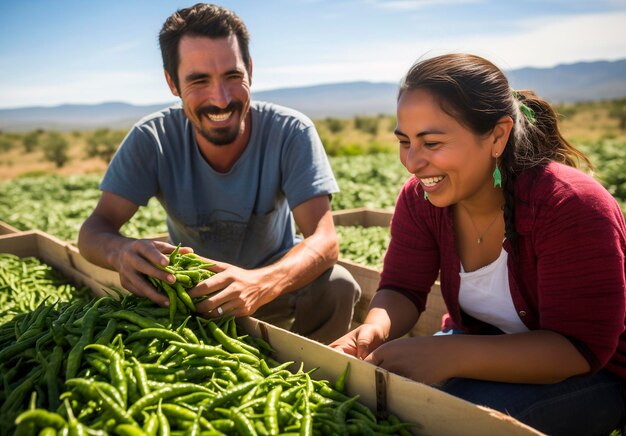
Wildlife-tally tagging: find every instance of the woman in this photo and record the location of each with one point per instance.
(529, 249)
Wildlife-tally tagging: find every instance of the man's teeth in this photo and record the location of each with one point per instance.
(432, 181)
(219, 117)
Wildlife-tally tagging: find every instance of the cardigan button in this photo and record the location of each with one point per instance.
(522, 313)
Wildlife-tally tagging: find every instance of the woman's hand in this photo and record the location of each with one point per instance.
(361, 341)
(423, 359)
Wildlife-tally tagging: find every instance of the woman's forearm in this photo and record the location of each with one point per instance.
(394, 312)
(539, 356)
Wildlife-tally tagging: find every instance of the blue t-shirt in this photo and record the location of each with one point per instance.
(242, 217)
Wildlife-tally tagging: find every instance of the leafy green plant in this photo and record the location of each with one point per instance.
(363, 245)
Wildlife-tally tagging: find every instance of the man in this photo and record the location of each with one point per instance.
(231, 173)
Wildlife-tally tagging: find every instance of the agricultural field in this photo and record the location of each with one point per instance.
(41, 189)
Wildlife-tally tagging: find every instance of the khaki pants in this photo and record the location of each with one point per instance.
(321, 311)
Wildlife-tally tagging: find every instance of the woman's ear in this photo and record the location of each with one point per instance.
(500, 135)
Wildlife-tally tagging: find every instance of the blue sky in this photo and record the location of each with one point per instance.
(90, 51)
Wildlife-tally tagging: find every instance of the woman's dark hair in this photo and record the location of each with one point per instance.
(478, 94)
(201, 19)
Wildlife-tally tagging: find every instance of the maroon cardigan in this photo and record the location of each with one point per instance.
(567, 274)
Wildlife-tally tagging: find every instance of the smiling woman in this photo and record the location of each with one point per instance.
(529, 249)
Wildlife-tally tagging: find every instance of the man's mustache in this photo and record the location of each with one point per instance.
(214, 110)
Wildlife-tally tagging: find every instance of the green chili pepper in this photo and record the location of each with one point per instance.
(173, 390)
(42, 418)
(155, 333)
(271, 411)
(340, 384)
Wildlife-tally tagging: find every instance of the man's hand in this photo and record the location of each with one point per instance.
(361, 341)
(242, 291)
(140, 257)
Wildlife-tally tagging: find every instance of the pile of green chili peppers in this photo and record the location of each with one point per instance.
(189, 270)
(27, 282)
(122, 366)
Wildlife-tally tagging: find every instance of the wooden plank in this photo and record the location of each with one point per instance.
(362, 216)
(106, 276)
(7, 229)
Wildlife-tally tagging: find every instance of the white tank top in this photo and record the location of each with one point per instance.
(485, 295)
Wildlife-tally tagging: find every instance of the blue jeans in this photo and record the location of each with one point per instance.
(592, 405)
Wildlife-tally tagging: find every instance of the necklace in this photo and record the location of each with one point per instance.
(479, 240)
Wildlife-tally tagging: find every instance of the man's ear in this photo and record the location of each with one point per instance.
(250, 73)
(171, 84)
(500, 135)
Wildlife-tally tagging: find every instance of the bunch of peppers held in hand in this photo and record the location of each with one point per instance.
(189, 270)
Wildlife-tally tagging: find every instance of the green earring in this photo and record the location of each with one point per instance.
(497, 176)
(425, 196)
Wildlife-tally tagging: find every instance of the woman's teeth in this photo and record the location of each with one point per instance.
(431, 181)
(219, 117)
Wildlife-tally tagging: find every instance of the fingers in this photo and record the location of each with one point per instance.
(344, 347)
(373, 358)
(359, 343)
(210, 286)
(362, 348)
(156, 252)
(217, 266)
(349, 343)
(216, 307)
(141, 287)
(141, 258)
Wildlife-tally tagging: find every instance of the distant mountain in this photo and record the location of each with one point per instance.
(580, 81)
(340, 100)
(114, 115)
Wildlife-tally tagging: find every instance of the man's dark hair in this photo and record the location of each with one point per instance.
(201, 19)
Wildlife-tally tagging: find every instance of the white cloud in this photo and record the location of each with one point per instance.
(413, 5)
(90, 87)
(540, 42)
(556, 40)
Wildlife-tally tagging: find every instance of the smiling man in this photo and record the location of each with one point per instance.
(235, 177)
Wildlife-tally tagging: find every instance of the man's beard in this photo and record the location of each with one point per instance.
(221, 135)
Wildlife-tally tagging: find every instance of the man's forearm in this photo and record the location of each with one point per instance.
(99, 242)
(304, 262)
